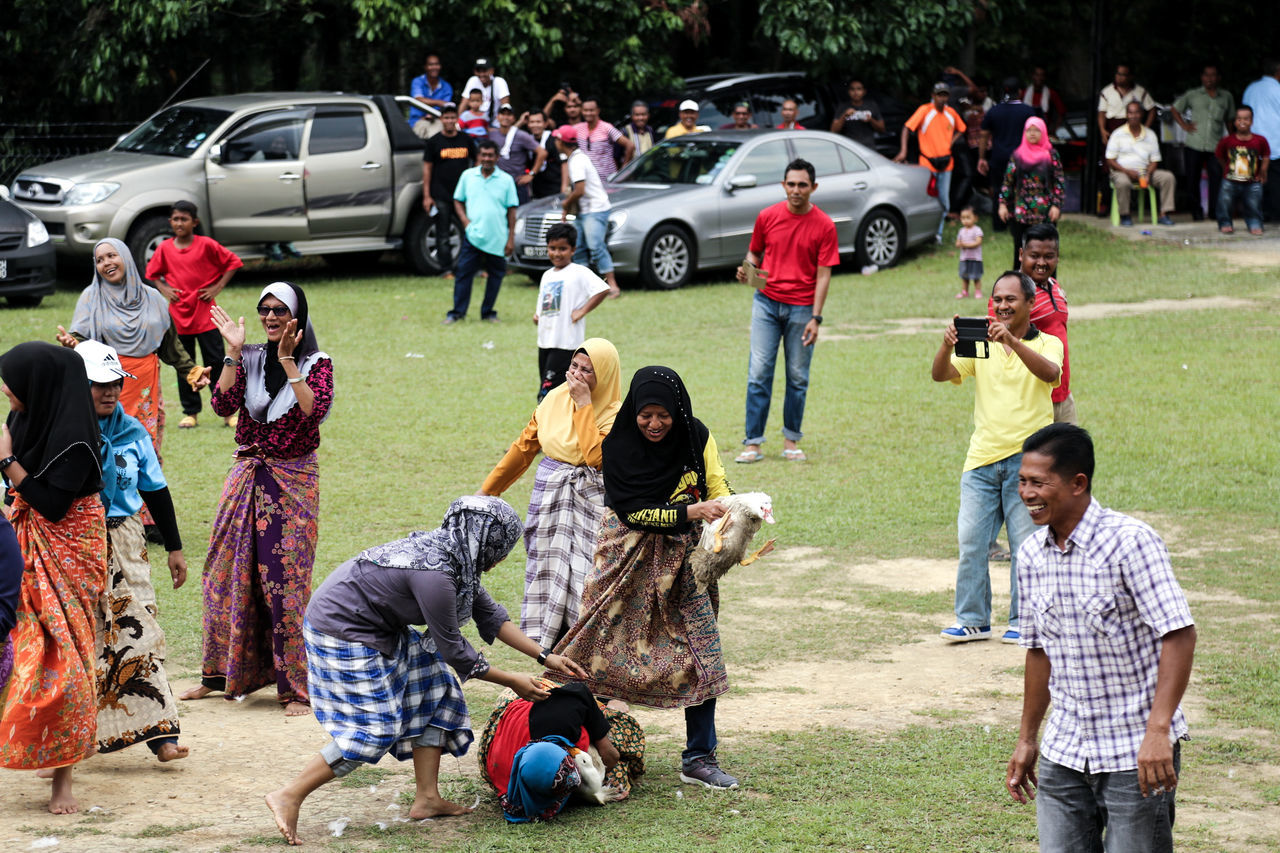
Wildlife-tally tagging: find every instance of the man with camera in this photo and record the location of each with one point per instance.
(1015, 368)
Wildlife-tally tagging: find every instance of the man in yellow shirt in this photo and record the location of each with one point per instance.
(1013, 400)
(688, 122)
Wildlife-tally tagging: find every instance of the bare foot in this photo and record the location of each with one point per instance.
(285, 810)
(44, 773)
(61, 801)
(171, 752)
(296, 709)
(424, 807)
(618, 705)
(197, 692)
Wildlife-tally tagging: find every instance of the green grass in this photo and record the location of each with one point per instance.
(1193, 450)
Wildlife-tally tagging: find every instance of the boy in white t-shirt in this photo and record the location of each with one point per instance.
(566, 295)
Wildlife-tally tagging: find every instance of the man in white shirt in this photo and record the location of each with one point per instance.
(494, 90)
(1133, 153)
(592, 206)
(1116, 96)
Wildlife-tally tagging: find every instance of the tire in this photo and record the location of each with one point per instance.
(145, 237)
(25, 301)
(353, 261)
(420, 244)
(881, 239)
(668, 258)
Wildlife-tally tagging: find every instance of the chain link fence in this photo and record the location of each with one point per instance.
(23, 145)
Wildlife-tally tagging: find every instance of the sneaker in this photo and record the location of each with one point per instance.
(188, 422)
(274, 253)
(1165, 220)
(1011, 636)
(706, 772)
(290, 251)
(965, 633)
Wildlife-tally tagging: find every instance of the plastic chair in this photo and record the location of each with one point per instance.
(1142, 204)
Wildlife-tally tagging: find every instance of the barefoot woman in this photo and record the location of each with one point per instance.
(257, 578)
(135, 703)
(49, 457)
(378, 685)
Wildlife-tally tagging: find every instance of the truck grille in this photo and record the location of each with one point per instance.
(46, 190)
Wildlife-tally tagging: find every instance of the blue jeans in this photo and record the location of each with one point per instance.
(592, 228)
(1250, 195)
(944, 198)
(773, 322)
(470, 261)
(700, 731)
(988, 497)
(1095, 812)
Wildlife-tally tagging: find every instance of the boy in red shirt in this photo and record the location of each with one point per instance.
(794, 245)
(190, 270)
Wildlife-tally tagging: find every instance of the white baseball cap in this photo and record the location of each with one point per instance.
(101, 362)
(689, 105)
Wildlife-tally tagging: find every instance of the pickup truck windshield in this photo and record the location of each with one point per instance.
(176, 132)
(679, 161)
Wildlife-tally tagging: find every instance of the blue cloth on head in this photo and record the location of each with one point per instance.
(543, 777)
(129, 463)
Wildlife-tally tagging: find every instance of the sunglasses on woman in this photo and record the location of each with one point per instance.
(277, 310)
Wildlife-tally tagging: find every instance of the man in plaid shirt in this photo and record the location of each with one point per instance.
(1109, 641)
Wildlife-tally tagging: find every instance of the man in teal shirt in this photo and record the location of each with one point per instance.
(1211, 108)
(485, 200)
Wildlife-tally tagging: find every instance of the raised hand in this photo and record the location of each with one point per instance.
(290, 340)
(66, 338)
(231, 332)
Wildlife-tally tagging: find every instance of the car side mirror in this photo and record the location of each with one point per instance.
(742, 182)
(215, 153)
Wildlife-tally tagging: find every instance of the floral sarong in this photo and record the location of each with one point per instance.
(140, 398)
(135, 703)
(50, 707)
(257, 578)
(644, 632)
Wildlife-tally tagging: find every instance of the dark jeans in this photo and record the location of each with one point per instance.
(1271, 192)
(470, 262)
(1193, 162)
(211, 353)
(1016, 230)
(700, 731)
(446, 215)
(553, 364)
(966, 160)
(995, 175)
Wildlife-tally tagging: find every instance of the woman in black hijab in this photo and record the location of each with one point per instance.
(49, 459)
(645, 632)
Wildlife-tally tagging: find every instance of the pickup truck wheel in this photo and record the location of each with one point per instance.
(146, 236)
(668, 257)
(420, 244)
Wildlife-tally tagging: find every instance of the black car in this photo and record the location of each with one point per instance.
(816, 103)
(26, 256)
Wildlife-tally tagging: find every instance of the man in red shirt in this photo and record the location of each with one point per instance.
(793, 247)
(191, 270)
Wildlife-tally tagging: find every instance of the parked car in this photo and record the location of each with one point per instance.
(336, 175)
(27, 266)
(816, 101)
(690, 203)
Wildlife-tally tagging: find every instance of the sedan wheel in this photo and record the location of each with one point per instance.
(667, 260)
(880, 239)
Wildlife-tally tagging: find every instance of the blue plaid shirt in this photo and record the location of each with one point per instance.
(1099, 609)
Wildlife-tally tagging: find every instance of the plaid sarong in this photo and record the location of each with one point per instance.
(372, 704)
(560, 540)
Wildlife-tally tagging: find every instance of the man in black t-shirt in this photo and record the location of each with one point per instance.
(546, 180)
(445, 157)
(859, 117)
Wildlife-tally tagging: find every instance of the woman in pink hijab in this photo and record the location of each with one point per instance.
(1033, 186)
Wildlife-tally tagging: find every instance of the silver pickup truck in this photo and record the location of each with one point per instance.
(337, 175)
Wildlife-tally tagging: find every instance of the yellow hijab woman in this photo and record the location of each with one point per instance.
(558, 415)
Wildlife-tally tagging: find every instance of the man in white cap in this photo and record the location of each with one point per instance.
(688, 121)
(494, 90)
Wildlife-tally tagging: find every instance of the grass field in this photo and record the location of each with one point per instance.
(1181, 404)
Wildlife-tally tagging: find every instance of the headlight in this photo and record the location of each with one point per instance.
(617, 219)
(520, 224)
(36, 233)
(90, 193)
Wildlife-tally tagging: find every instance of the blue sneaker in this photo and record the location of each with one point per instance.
(706, 771)
(1011, 636)
(965, 633)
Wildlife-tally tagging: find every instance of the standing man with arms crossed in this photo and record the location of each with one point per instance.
(794, 247)
(485, 201)
(1110, 642)
(448, 154)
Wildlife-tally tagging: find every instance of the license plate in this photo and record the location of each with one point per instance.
(4, 268)
(534, 251)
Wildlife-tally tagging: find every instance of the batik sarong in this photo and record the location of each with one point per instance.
(140, 398)
(257, 578)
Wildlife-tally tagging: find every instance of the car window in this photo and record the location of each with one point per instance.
(767, 161)
(176, 132)
(337, 132)
(271, 139)
(852, 162)
(823, 154)
(684, 160)
(769, 102)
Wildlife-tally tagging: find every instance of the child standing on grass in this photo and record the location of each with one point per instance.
(472, 121)
(567, 294)
(969, 242)
(191, 270)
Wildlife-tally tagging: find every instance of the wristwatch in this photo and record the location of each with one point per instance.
(231, 362)
(542, 657)
(818, 317)
(6, 462)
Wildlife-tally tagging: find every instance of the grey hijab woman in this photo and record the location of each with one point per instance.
(131, 317)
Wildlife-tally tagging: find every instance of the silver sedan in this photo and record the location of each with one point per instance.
(690, 203)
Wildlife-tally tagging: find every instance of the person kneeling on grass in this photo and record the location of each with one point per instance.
(379, 686)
